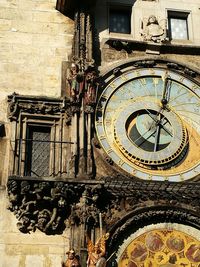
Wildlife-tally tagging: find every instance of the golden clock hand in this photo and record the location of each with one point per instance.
(166, 91)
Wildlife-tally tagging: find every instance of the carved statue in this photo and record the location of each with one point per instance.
(90, 87)
(75, 81)
(72, 260)
(96, 252)
(153, 31)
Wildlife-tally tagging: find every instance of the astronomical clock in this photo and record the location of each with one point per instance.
(147, 122)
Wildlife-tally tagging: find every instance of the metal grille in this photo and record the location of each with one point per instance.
(38, 151)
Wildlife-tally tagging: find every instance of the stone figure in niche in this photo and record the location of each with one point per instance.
(152, 30)
(90, 87)
(72, 260)
(97, 251)
(75, 81)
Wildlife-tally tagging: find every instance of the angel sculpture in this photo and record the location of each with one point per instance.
(97, 251)
(152, 30)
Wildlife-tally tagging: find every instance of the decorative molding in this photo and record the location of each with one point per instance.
(82, 76)
(131, 46)
(18, 104)
(50, 206)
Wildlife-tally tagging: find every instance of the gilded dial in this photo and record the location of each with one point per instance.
(147, 121)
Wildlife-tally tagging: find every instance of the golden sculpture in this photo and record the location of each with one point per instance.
(96, 252)
(72, 260)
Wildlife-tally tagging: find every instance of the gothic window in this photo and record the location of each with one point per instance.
(40, 140)
(120, 20)
(178, 25)
(38, 148)
(37, 151)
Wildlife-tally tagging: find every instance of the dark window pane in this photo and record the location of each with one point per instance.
(119, 21)
(38, 151)
(178, 27)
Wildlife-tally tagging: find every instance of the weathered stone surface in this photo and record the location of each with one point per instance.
(35, 40)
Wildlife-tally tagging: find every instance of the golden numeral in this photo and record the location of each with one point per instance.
(101, 137)
(143, 81)
(113, 85)
(137, 73)
(134, 171)
(109, 151)
(104, 96)
(181, 79)
(120, 162)
(155, 81)
(152, 71)
(194, 87)
(123, 77)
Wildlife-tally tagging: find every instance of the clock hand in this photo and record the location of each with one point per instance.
(166, 91)
(157, 136)
(159, 122)
(144, 135)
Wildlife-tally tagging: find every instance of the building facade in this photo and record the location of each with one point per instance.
(99, 133)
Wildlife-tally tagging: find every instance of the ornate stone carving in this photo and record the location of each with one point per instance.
(83, 77)
(76, 83)
(90, 87)
(190, 72)
(87, 210)
(36, 105)
(46, 205)
(152, 30)
(121, 45)
(40, 205)
(145, 63)
(82, 50)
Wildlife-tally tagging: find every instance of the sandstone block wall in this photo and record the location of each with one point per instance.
(34, 41)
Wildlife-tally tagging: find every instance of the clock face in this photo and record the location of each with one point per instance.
(148, 122)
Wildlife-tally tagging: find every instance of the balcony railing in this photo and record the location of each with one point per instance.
(40, 158)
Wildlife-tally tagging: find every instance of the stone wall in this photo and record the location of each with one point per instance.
(28, 250)
(34, 41)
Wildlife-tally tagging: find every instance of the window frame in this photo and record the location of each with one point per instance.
(120, 7)
(58, 143)
(29, 147)
(182, 15)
